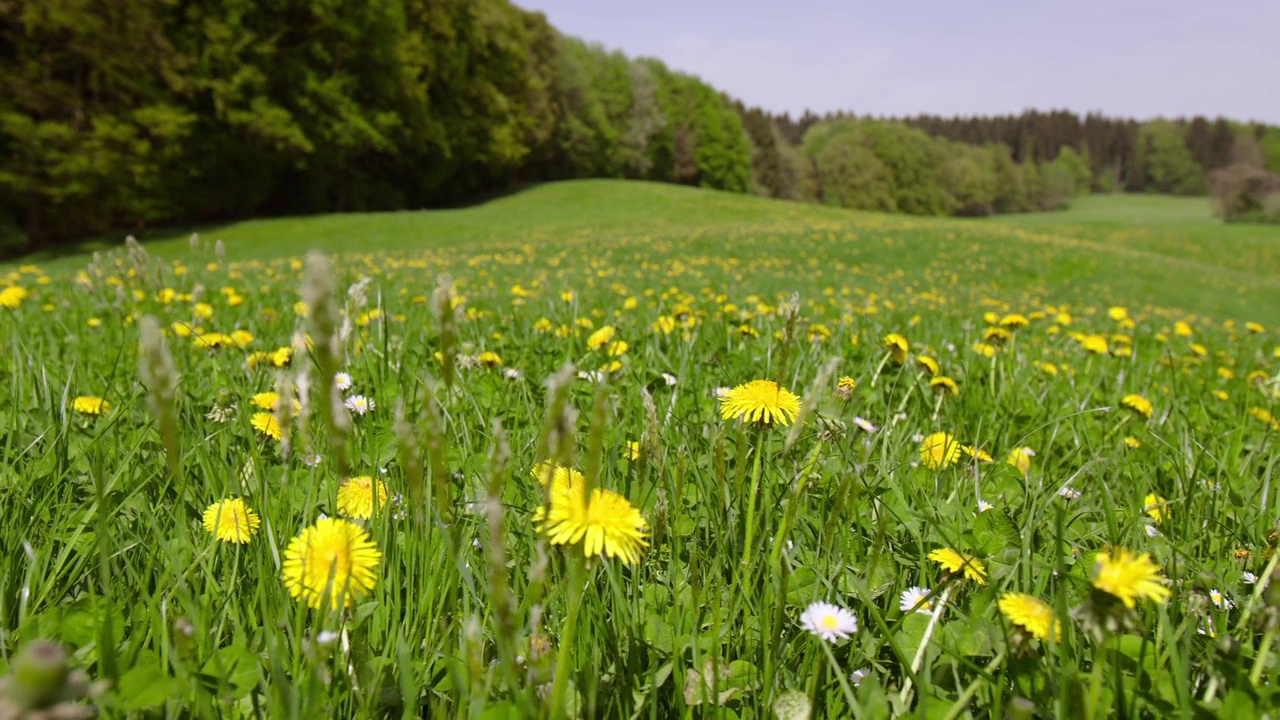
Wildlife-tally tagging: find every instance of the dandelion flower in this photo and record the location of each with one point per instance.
(761, 401)
(12, 296)
(1138, 404)
(331, 564)
(1132, 442)
(601, 337)
(944, 386)
(90, 405)
(897, 346)
(607, 523)
(632, 450)
(1096, 344)
(1021, 458)
(954, 562)
(265, 400)
(1031, 614)
(361, 496)
(231, 521)
(1156, 507)
(829, 622)
(267, 424)
(915, 599)
(939, 450)
(928, 364)
(489, 359)
(845, 386)
(1128, 576)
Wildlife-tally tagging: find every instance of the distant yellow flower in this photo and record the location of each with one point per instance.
(1031, 614)
(1254, 327)
(954, 562)
(897, 346)
(282, 357)
(928, 364)
(607, 523)
(331, 564)
(762, 401)
(242, 338)
(361, 496)
(265, 400)
(944, 385)
(1118, 313)
(1182, 328)
(90, 405)
(845, 387)
(618, 348)
(1094, 344)
(231, 520)
(489, 359)
(1020, 458)
(1157, 507)
(11, 297)
(601, 337)
(986, 350)
(977, 453)
(266, 423)
(1129, 576)
(1138, 404)
(664, 325)
(1048, 368)
(1132, 442)
(939, 450)
(1014, 321)
(632, 450)
(94, 322)
(996, 335)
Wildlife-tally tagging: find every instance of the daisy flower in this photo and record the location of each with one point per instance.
(342, 381)
(1220, 600)
(359, 404)
(915, 599)
(829, 622)
(864, 424)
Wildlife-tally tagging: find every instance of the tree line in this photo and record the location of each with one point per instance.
(121, 116)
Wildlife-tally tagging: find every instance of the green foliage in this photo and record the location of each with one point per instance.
(1165, 164)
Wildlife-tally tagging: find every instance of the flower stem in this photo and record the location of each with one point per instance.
(751, 501)
(924, 642)
(577, 583)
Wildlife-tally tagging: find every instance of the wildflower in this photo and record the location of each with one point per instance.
(945, 386)
(1182, 328)
(955, 562)
(1118, 313)
(511, 374)
(928, 364)
(1220, 600)
(265, 400)
(984, 506)
(986, 350)
(1068, 492)
(600, 338)
(617, 348)
(221, 414)
(606, 523)
(12, 297)
(231, 521)
(90, 405)
(1048, 368)
(342, 381)
(489, 359)
(864, 424)
(359, 404)
(1020, 458)
(361, 496)
(977, 453)
(1014, 321)
(631, 451)
(594, 376)
(669, 379)
(897, 346)
(1132, 442)
(761, 401)
(1031, 614)
(829, 622)
(857, 677)
(996, 335)
(939, 450)
(915, 599)
(1138, 404)
(331, 564)
(1248, 578)
(720, 393)
(845, 386)
(1096, 344)
(267, 424)
(1254, 327)
(1156, 507)
(1129, 576)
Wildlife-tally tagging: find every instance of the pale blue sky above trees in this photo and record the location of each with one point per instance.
(1134, 58)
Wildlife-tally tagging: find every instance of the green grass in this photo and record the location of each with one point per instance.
(475, 613)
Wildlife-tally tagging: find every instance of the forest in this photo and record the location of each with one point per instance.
(117, 117)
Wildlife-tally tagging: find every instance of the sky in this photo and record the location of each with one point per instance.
(1130, 58)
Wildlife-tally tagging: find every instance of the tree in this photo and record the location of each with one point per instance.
(1165, 163)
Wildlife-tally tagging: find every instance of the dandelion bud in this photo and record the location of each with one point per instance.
(443, 301)
(193, 242)
(219, 251)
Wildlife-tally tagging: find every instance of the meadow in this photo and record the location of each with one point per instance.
(617, 449)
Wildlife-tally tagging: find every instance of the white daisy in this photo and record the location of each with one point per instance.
(359, 404)
(1249, 578)
(511, 374)
(311, 459)
(914, 600)
(669, 379)
(857, 676)
(1152, 531)
(342, 381)
(829, 622)
(720, 392)
(1220, 600)
(864, 424)
(984, 506)
(1069, 492)
(594, 376)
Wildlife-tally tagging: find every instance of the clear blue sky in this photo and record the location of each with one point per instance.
(1134, 58)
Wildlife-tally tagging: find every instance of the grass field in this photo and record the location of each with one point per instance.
(515, 464)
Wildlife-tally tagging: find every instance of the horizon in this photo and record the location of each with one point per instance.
(1141, 59)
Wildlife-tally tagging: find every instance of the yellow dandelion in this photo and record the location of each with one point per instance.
(1020, 458)
(267, 424)
(762, 401)
(631, 450)
(986, 350)
(331, 564)
(1094, 344)
(928, 364)
(1128, 576)
(944, 385)
(90, 405)
(489, 359)
(11, 297)
(845, 386)
(1138, 404)
(1254, 327)
(1031, 614)
(607, 524)
(231, 521)
(1156, 507)
(1132, 442)
(361, 496)
(939, 450)
(265, 400)
(601, 337)
(954, 562)
(1014, 321)
(897, 346)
